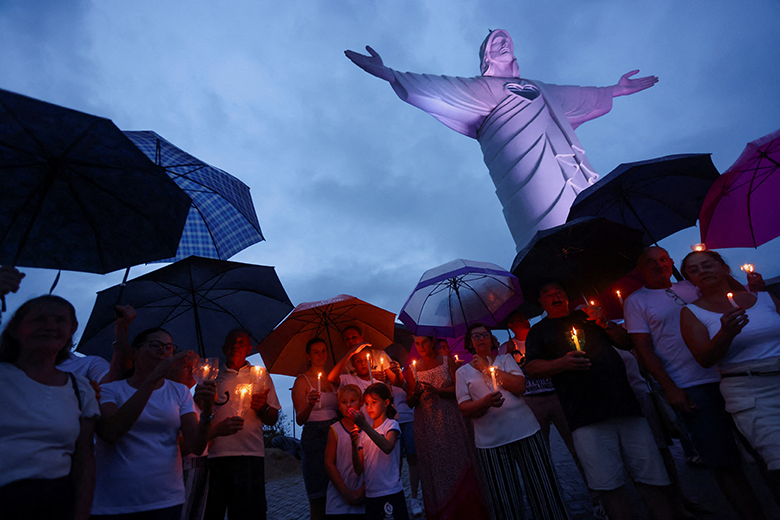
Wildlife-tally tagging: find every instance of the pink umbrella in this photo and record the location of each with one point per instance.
(742, 207)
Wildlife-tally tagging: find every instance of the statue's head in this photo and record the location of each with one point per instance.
(497, 55)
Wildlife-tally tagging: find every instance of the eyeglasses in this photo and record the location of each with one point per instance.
(480, 335)
(679, 301)
(159, 345)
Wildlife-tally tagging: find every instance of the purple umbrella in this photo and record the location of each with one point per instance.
(450, 297)
(741, 209)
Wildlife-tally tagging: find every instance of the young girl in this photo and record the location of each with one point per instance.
(376, 454)
(346, 493)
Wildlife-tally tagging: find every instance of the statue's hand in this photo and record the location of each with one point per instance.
(627, 85)
(371, 64)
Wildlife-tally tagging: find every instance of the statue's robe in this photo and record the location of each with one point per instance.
(526, 131)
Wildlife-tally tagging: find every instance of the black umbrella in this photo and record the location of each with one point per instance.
(660, 196)
(76, 194)
(586, 256)
(198, 300)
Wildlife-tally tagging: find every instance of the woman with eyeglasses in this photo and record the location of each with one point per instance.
(507, 435)
(740, 334)
(445, 452)
(139, 469)
(48, 417)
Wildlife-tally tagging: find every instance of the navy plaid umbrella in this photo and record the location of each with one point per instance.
(222, 220)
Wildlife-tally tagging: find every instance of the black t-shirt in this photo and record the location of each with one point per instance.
(587, 396)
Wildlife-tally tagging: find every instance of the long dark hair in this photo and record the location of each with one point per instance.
(382, 391)
(10, 348)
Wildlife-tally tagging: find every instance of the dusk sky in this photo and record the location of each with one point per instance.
(356, 191)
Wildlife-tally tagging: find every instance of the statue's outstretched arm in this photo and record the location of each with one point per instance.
(371, 64)
(627, 85)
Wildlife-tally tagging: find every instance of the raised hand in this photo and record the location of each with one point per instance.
(372, 63)
(627, 85)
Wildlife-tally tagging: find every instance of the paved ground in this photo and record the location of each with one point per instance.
(287, 497)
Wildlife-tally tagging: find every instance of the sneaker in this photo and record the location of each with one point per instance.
(598, 512)
(417, 509)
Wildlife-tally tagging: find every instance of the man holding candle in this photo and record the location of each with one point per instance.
(653, 321)
(236, 463)
(600, 407)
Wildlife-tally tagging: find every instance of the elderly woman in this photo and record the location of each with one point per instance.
(739, 333)
(139, 463)
(315, 410)
(445, 452)
(506, 433)
(48, 418)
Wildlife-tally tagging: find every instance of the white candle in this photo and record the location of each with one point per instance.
(319, 387)
(381, 363)
(731, 300)
(368, 360)
(576, 339)
(620, 298)
(414, 371)
(493, 375)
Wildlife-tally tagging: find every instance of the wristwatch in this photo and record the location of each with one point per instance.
(207, 419)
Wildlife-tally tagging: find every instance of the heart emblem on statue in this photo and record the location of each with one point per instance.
(526, 90)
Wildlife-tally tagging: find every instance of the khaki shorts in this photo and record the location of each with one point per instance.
(605, 447)
(754, 404)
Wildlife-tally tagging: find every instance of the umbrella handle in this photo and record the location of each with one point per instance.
(227, 398)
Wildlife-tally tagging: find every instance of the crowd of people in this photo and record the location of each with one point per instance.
(137, 438)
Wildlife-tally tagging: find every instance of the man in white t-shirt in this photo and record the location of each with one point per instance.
(652, 317)
(236, 463)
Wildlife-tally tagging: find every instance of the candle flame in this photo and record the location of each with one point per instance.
(730, 295)
(492, 369)
(319, 375)
(699, 247)
(748, 268)
(456, 358)
(592, 302)
(618, 293)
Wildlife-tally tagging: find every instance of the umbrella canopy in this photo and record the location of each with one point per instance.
(284, 349)
(451, 296)
(660, 196)
(76, 194)
(198, 300)
(741, 208)
(586, 255)
(222, 220)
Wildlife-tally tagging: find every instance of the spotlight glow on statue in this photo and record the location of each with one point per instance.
(525, 128)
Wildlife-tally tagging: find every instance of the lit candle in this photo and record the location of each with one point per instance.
(699, 247)
(381, 363)
(592, 303)
(258, 378)
(243, 392)
(748, 268)
(368, 360)
(493, 375)
(456, 358)
(731, 300)
(575, 339)
(620, 298)
(414, 370)
(319, 386)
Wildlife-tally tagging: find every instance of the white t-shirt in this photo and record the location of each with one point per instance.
(759, 340)
(499, 426)
(335, 503)
(93, 368)
(657, 312)
(142, 471)
(382, 472)
(39, 425)
(249, 441)
(405, 414)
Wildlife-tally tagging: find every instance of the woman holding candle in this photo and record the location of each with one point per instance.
(506, 433)
(48, 418)
(316, 405)
(445, 452)
(741, 335)
(138, 458)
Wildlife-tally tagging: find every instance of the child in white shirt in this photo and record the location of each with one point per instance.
(377, 455)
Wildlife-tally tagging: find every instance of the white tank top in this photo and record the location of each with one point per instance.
(759, 340)
(328, 405)
(334, 502)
